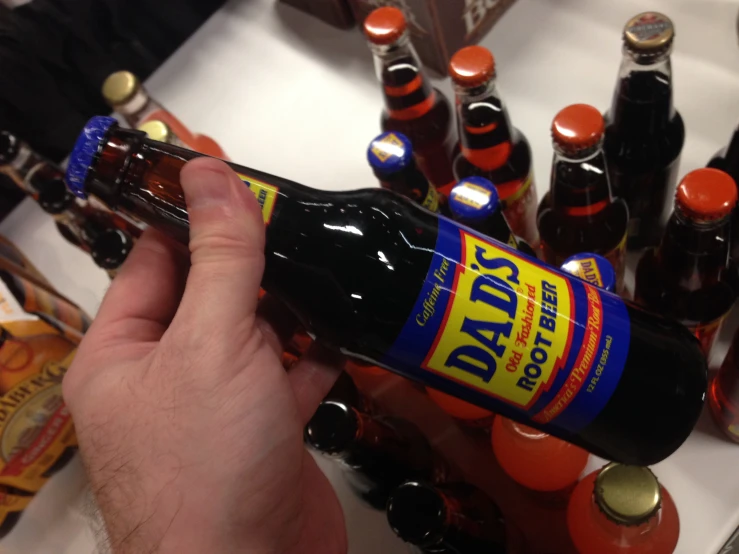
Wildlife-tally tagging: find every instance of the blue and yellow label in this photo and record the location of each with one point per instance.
(266, 195)
(592, 268)
(497, 328)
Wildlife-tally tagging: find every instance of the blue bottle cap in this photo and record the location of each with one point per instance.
(474, 199)
(390, 153)
(84, 152)
(593, 268)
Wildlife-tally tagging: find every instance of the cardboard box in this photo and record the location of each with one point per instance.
(439, 28)
(333, 12)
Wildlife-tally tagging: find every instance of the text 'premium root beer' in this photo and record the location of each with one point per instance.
(424, 297)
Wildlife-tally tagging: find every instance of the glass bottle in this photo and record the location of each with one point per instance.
(454, 518)
(490, 146)
(622, 510)
(412, 106)
(723, 393)
(583, 215)
(644, 131)
(377, 452)
(687, 276)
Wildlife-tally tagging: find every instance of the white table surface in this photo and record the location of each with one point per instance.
(292, 96)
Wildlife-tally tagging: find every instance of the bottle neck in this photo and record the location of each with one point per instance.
(408, 94)
(628, 536)
(138, 108)
(642, 102)
(695, 253)
(579, 183)
(486, 134)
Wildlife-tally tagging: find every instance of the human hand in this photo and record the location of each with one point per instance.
(189, 427)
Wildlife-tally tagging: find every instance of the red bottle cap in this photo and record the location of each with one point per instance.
(706, 194)
(385, 25)
(577, 127)
(472, 66)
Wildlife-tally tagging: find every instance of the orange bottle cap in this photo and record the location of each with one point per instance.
(384, 25)
(578, 127)
(472, 66)
(706, 194)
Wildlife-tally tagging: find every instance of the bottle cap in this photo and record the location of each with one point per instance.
(111, 248)
(593, 268)
(332, 428)
(474, 199)
(577, 127)
(390, 153)
(649, 33)
(120, 87)
(85, 149)
(629, 495)
(9, 147)
(472, 66)
(385, 25)
(706, 194)
(416, 513)
(157, 130)
(53, 197)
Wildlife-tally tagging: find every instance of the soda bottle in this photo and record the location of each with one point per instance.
(644, 132)
(465, 413)
(158, 130)
(12, 504)
(474, 202)
(622, 509)
(583, 215)
(534, 459)
(108, 245)
(727, 159)
(491, 146)
(412, 106)
(723, 394)
(593, 269)
(377, 452)
(125, 94)
(24, 166)
(687, 276)
(455, 518)
(390, 156)
(397, 286)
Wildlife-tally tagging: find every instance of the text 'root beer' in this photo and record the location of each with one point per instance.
(390, 283)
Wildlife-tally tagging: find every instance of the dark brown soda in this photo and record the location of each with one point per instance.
(687, 277)
(358, 294)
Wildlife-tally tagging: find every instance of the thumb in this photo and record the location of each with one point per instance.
(226, 246)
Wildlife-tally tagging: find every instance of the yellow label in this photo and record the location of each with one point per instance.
(266, 195)
(507, 330)
(431, 202)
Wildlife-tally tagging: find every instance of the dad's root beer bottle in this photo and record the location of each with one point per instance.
(388, 282)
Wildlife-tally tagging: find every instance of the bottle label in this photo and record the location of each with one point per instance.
(431, 202)
(520, 209)
(498, 329)
(12, 504)
(266, 195)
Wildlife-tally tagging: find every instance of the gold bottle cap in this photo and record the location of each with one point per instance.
(629, 495)
(649, 33)
(120, 87)
(157, 130)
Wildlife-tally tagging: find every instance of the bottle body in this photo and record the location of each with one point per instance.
(644, 132)
(418, 267)
(594, 533)
(431, 132)
(687, 278)
(534, 459)
(727, 160)
(723, 394)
